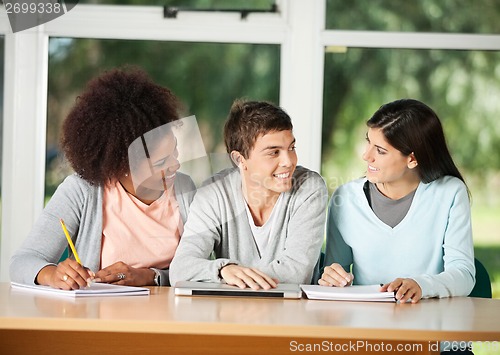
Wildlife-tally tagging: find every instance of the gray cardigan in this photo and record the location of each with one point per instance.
(79, 204)
(218, 223)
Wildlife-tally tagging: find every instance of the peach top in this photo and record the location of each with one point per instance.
(138, 234)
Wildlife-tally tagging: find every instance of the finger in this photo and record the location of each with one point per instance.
(333, 278)
(74, 277)
(324, 283)
(409, 294)
(268, 279)
(252, 279)
(233, 280)
(394, 285)
(347, 276)
(401, 292)
(70, 273)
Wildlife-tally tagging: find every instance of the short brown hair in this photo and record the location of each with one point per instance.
(249, 119)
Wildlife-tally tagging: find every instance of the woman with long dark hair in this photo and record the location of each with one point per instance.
(407, 224)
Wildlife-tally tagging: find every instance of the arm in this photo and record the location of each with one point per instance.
(304, 233)
(457, 279)
(46, 242)
(202, 235)
(338, 255)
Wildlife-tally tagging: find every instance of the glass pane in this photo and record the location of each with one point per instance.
(461, 86)
(458, 16)
(206, 77)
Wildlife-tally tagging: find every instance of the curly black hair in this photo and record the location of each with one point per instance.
(115, 108)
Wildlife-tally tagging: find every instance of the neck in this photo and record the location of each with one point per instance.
(260, 202)
(146, 196)
(399, 189)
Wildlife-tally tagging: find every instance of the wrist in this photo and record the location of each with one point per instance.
(156, 276)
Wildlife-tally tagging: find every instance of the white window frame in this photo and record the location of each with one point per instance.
(298, 28)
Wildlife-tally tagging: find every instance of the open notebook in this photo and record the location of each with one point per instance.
(350, 293)
(96, 289)
(193, 288)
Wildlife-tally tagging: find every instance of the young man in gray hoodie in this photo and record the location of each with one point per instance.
(261, 222)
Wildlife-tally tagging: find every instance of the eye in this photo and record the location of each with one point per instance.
(292, 148)
(274, 152)
(380, 151)
(159, 163)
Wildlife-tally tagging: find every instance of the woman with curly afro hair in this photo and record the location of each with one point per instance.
(126, 203)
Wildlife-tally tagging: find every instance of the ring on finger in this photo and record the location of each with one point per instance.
(121, 276)
(65, 278)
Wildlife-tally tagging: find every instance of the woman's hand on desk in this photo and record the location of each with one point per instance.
(335, 275)
(244, 277)
(405, 289)
(123, 274)
(67, 275)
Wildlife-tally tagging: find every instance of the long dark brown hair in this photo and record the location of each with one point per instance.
(411, 126)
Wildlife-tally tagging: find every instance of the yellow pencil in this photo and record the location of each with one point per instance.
(70, 242)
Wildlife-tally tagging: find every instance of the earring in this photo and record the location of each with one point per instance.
(126, 174)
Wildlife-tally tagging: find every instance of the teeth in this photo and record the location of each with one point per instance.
(170, 176)
(372, 168)
(282, 176)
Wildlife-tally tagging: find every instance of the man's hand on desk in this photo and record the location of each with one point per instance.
(244, 277)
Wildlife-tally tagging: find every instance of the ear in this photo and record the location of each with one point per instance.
(412, 161)
(237, 159)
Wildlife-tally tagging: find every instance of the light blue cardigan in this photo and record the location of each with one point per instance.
(432, 244)
(79, 204)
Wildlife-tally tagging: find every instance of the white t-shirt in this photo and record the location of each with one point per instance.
(262, 234)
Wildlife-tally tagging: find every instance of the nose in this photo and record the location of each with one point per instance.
(288, 158)
(173, 165)
(367, 155)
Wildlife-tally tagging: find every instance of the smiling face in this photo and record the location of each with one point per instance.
(386, 164)
(270, 164)
(153, 170)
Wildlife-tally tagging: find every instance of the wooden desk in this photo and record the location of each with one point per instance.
(164, 323)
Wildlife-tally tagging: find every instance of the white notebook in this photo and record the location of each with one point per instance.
(348, 293)
(96, 289)
(194, 288)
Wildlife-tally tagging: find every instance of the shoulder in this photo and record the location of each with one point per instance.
(74, 184)
(351, 188)
(183, 182)
(446, 185)
(222, 184)
(305, 178)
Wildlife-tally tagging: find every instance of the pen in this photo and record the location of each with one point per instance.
(70, 242)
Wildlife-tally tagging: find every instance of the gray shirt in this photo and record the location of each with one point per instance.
(79, 204)
(389, 211)
(218, 223)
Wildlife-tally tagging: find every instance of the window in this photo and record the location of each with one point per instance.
(457, 16)
(223, 72)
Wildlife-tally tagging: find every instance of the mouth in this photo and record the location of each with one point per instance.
(372, 169)
(171, 176)
(282, 176)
